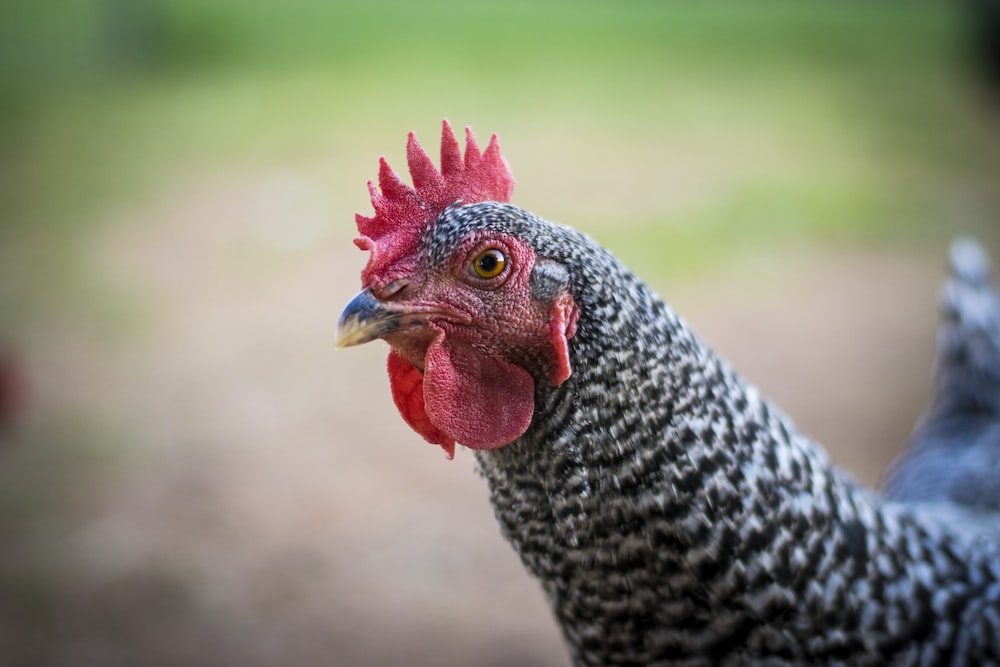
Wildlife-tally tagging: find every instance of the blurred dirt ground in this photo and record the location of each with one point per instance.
(261, 502)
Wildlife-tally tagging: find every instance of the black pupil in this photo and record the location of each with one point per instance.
(488, 262)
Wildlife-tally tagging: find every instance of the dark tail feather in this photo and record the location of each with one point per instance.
(968, 365)
(954, 454)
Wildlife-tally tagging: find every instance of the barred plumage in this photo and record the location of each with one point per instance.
(672, 514)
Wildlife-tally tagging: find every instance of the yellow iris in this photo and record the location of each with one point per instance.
(489, 263)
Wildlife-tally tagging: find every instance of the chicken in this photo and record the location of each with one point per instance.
(670, 512)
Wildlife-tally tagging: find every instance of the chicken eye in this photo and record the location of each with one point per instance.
(489, 263)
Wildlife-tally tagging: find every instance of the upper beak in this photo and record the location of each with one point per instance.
(364, 319)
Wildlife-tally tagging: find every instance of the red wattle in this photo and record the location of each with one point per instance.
(481, 401)
(407, 385)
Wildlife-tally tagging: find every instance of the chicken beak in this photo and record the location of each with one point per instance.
(364, 319)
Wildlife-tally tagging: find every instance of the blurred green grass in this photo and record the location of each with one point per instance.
(860, 111)
(681, 135)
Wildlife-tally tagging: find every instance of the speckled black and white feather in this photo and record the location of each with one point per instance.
(674, 516)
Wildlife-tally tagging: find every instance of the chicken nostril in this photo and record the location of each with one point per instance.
(393, 289)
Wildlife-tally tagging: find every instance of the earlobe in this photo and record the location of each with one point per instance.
(562, 327)
(550, 285)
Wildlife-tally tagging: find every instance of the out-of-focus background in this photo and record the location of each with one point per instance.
(191, 474)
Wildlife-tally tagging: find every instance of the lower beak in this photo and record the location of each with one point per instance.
(364, 319)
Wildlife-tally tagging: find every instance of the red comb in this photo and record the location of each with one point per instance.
(403, 212)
